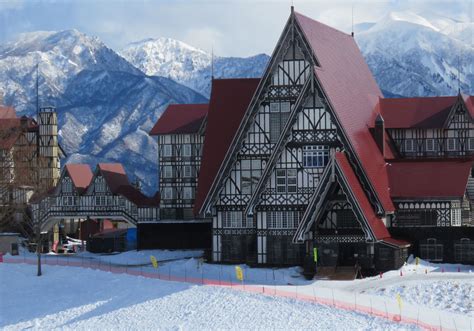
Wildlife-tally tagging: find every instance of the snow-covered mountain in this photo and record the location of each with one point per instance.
(105, 105)
(108, 102)
(415, 55)
(188, 65)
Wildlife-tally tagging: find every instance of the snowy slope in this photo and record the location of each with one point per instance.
(412, 55)
(60, 299)
(188, 65)
(105, 105)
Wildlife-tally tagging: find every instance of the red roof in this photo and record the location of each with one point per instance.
(429, 112)
(114, 175)
(134, 195)
(117, 180)
(429, 179)
(375, 223)
(352, 93)
(81, 175)
(7, 112)
(229, 101)
(396, 242)
(180, 119)
(469, 101)
(11, 128)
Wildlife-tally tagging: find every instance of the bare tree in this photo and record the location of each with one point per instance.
(22, 172)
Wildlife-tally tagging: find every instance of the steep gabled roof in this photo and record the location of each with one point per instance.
(429, 179)
(469, 102)
(134, 195)
(426, 112)
(176, 119)
(114, 175)
(352, 93)
(375, 223)
(229, 101)
(11, 128)
(81, 175)
(7, 112)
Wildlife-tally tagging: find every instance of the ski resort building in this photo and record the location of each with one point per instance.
(180, 133)
(29, 154)
(312, 163)
(82, 195)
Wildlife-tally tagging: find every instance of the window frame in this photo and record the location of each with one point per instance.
(318, 154)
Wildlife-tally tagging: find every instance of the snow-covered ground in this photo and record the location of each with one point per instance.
(84, 299)
(137, 258)
(438, 294)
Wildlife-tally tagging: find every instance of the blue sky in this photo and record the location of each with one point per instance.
(231, 27)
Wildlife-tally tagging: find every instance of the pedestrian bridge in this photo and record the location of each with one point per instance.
(105, 193)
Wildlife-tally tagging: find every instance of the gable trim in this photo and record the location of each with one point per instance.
(253, 107)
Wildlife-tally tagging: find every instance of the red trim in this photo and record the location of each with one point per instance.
(375, 223)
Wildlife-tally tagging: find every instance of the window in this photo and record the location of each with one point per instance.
(456, 217)
(167, 150)
(167, 172)
(168, 193)
(464, 250)
(451, 144)
(250, 175)
(315, 156)
(187, 171)
(69, 201)
(187, 193)
(282, 219)
(279, 113)
(66, 185)
(286, 180)
(431, 250)
(234, 219)
(471, 144)
(100, 201)
(430, 145)
(409, 145)
(99, 185)
(187, 150)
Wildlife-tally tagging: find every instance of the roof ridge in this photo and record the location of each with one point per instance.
(325, 25)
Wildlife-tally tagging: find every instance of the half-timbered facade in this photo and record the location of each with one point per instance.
(29, 154)
(105, 193)
(180, 133)
(314, 159)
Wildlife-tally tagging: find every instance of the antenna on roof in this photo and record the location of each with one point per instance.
(352, 25)
(37, 90)
(212, 63)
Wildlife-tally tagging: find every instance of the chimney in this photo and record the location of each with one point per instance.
(24, 122)
(379, 133)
